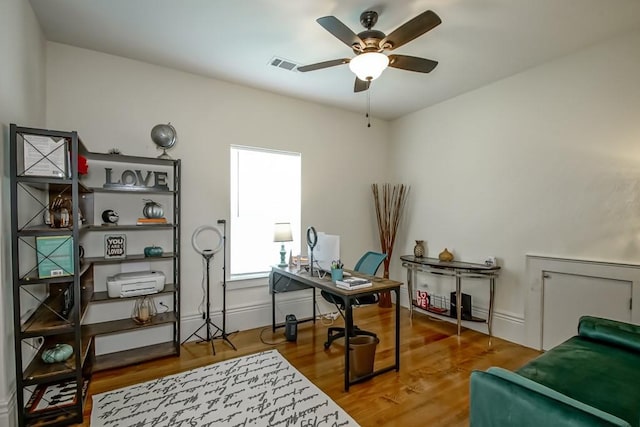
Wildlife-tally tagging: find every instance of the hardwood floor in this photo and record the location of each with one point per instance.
(432, 387)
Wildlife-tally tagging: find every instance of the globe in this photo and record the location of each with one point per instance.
(164, 136)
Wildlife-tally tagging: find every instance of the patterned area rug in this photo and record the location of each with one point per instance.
(261, 389)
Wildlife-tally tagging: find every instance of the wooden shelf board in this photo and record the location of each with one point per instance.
(122, 325)
(33, 279)
(38, 371)
(44, 321)
(56, 417)
(129, 258)
(44, 230)
(104, 296)
(127, 227)
(123, 158)
(134, 355)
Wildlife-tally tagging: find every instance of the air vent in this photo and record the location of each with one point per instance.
(283, 63)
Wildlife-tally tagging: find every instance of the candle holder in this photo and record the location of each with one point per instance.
(143, 310)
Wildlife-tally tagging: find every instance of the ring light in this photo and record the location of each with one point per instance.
(196, 233)
(312, 237)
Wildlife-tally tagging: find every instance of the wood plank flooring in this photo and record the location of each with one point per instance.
(431, 389)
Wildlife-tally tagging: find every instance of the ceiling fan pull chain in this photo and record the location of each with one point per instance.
(368, 108)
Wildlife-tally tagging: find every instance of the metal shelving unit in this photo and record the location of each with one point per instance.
(53, 310)
(40, 316)
(119, 325)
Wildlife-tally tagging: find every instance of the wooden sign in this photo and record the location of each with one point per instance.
(115, 246)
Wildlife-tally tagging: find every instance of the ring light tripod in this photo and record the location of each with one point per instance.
(207, 255)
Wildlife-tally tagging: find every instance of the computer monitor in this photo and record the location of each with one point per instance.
(326, 251)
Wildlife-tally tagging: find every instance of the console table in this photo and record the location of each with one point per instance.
(456, 269)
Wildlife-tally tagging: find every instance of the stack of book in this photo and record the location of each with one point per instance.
(148, 221)
(351, 283)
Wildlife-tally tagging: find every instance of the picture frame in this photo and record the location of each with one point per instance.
(48, 397)
(115, 246)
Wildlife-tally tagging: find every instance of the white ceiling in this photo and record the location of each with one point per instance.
(478, 42)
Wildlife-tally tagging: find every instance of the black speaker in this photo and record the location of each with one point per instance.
(291, 328)
(466, 306)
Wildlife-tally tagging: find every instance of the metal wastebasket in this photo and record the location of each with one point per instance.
(362, 354)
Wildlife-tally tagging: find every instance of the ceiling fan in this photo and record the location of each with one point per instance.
(370, 44)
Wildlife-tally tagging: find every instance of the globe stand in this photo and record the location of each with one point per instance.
(164, 155)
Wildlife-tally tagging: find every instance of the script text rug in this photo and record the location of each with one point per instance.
(261, 389)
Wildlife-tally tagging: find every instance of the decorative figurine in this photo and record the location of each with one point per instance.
(152, 209)
(110, 217)
(152, 251)
(57, 353)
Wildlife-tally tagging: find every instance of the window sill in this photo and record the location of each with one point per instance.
(243, 281)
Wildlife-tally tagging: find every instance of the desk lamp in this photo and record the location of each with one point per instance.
(281, 234)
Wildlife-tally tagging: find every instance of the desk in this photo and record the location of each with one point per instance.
(285, 280)
(455, 269)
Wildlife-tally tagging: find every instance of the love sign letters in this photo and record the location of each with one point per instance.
(132, 179)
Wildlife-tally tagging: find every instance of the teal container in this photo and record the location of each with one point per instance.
(336, 274)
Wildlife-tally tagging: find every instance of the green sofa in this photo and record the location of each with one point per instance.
(592, 379)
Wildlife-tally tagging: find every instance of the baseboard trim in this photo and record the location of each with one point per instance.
(507, 326)
(250, 316)
(8, 414)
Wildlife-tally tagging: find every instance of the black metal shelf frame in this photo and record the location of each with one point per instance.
(42, 325)
(70, 186)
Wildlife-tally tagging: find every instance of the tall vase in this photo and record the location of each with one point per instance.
(418, 249)
(384, 300)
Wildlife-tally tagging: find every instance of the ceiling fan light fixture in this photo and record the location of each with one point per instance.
(369, 65)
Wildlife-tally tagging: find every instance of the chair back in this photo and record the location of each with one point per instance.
(370, 262)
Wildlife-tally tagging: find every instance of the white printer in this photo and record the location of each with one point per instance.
(135, 283)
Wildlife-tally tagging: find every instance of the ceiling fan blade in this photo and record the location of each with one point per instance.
(416, 27)
(340, 31)
(412, 63)
(321, 65)
(361, 85)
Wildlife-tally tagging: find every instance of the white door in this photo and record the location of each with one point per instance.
(566, 297)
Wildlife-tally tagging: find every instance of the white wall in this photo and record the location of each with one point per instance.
(114, 102)
(22, 101)
(546, 161)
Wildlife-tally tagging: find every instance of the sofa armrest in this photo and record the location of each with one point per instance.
(503, 398)
(611, 332)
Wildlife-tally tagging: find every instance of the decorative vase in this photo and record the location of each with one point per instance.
(445, 256)
(418, 249)
(143, 310)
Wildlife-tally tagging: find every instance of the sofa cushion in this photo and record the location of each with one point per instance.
(592, 372)
(610, 331)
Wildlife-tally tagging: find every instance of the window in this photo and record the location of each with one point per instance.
(265, 189)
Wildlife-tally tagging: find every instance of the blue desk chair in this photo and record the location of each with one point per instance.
(369, 264)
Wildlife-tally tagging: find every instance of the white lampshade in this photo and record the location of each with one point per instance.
(369, 66)
(282, 232)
